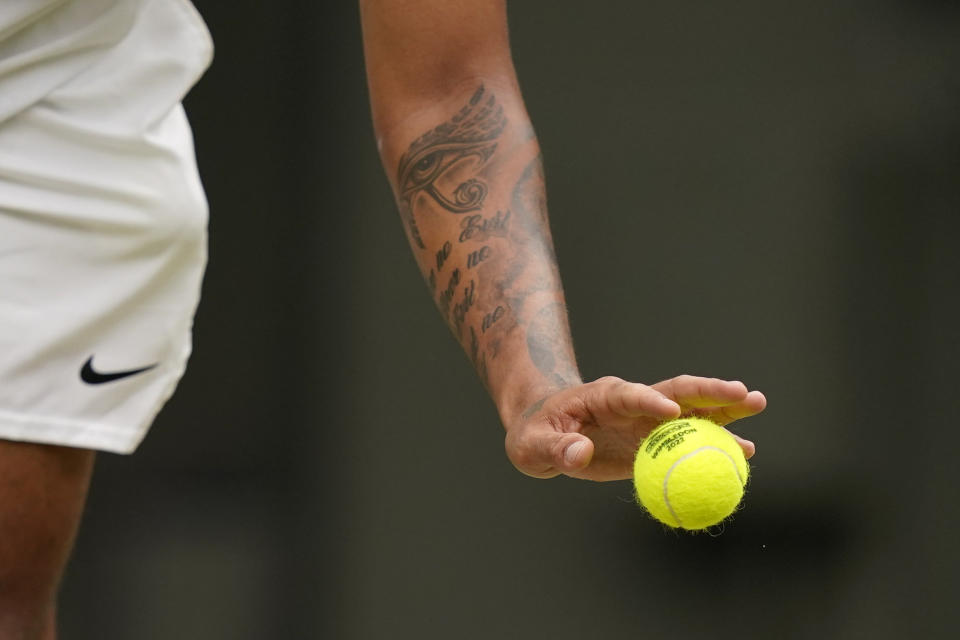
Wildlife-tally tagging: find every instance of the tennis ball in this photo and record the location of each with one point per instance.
(690, 473)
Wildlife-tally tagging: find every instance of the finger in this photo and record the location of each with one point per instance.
(694, 391)
(747, 445)
(542, 452)
(618, 397)
(754, 403)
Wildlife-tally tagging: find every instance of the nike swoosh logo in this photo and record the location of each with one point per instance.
(88, 375)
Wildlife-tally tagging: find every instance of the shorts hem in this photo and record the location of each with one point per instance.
(69, 433)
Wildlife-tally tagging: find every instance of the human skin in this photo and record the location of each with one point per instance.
(42, 493)
(465, 167)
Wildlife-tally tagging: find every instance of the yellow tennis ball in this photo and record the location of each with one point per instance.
(690, 473)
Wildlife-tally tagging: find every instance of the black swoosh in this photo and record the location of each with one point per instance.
(88, 375)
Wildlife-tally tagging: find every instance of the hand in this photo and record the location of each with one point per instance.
(592, 430)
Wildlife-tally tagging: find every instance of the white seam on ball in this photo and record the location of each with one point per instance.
(666, 478)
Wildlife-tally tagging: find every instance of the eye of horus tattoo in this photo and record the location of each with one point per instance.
(443, 163)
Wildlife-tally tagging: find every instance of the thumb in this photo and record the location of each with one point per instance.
(547, 453)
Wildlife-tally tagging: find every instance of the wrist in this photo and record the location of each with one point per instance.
(517, 401)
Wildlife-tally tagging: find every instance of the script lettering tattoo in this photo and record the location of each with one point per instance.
(476, 257)
(432, 282)
(442, 165)
(443, 254)
(476, 227)
(491, 318)
(460, 309)
(446, 296)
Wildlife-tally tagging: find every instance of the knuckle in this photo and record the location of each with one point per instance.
(523, 456)
(521, 452)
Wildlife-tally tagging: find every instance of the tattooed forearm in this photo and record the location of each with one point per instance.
(471, 192)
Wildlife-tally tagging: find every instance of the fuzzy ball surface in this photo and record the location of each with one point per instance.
(690, 473)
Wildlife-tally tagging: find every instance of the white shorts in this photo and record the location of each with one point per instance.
(102, 223)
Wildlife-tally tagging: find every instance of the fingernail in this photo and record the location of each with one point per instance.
(573, 451)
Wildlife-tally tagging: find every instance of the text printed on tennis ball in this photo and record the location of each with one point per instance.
(668, 438)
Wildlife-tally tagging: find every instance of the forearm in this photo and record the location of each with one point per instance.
(469, 184)
(465, 167)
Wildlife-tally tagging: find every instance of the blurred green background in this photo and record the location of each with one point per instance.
(766, 191)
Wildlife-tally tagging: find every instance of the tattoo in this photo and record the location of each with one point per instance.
(406, 214)
(476, 257)
(450, 169)
(529, 203)
(446, 296)
(536, 406)
(491, 318)
(478, 358)
(468, 196)
(460, 309)
(476, 227)
(435, 164)
(529, 198)
(443, 254)
(474, 346)
(482, 371)
(547, 345)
